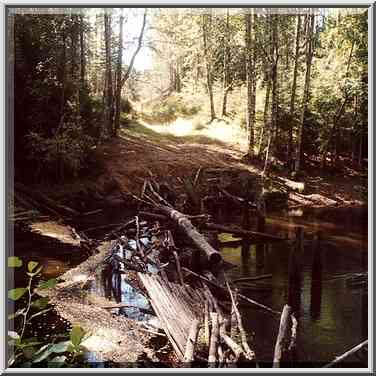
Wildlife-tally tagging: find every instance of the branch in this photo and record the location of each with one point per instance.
(139, 45)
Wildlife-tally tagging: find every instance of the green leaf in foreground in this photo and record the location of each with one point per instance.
(14, 262)
(76, 335)
(17, 293)
(40, 303)
(32, 265)
(51, 283)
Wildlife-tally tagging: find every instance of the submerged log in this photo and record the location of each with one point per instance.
(191, 342)
(256, 278)
(184, 224)
(280, 346)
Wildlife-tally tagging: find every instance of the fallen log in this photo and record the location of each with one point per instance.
(249, 300)
(253, 235)
(256, 278)
(47, 202)
(235, 348)
(280, 346)
(347, 354)
(191, 342)
(184, 224)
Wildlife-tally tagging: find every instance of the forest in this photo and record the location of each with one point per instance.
(190, 187)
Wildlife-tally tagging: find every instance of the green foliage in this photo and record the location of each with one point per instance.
(14, 262)
(29, 352)
(61, 156)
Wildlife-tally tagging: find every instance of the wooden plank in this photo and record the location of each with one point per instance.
(176, 306)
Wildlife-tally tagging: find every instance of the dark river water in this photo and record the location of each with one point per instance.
(332, 315)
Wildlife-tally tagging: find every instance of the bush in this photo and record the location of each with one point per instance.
(62, 155)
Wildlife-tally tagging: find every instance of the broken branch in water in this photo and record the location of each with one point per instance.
(347, 354)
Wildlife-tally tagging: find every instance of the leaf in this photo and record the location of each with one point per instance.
(14, 262)
(58, 361)
(51, 283)
(40, 303)
(17, 293)
(76, 335)
(32, 265)
(60, 347)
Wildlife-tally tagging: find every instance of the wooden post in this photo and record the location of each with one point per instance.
(213, 340)
(191, 343)
(281, 343)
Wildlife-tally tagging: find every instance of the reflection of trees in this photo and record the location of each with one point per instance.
(316, 282)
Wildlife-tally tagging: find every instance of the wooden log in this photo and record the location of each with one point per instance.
(46, 202)
(253, 235)
(235, 348)
(155, 216)
(206, 323)
(249, 300)
(248, 352)
(178, 268)
(256, 278)
(184, 224)
(234, 324)
(212, 359)
(347, 354)
(280, 345)
(191, 342)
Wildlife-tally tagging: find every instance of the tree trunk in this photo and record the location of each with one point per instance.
(265, 116)
(109, 88)
(82, 63)
(250, 82)
(309, 56)
(206, 24)
(293, 88)
(226, 65)
(274, 70)
(118, 76)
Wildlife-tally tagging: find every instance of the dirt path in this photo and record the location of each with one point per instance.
(142, 151)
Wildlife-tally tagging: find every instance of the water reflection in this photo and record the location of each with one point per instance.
(333, 317)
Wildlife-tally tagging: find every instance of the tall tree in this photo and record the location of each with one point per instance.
(293, 87)
(118, 75)
(226, 64)
(108, 87)
(309, 55)
(206, 30)
(250, 78)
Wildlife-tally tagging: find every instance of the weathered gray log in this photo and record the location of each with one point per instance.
(206, 323)
(347, 354)
(191, 342)
(280, 345)
(235, 348)
(184, 224)
(213, 340)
